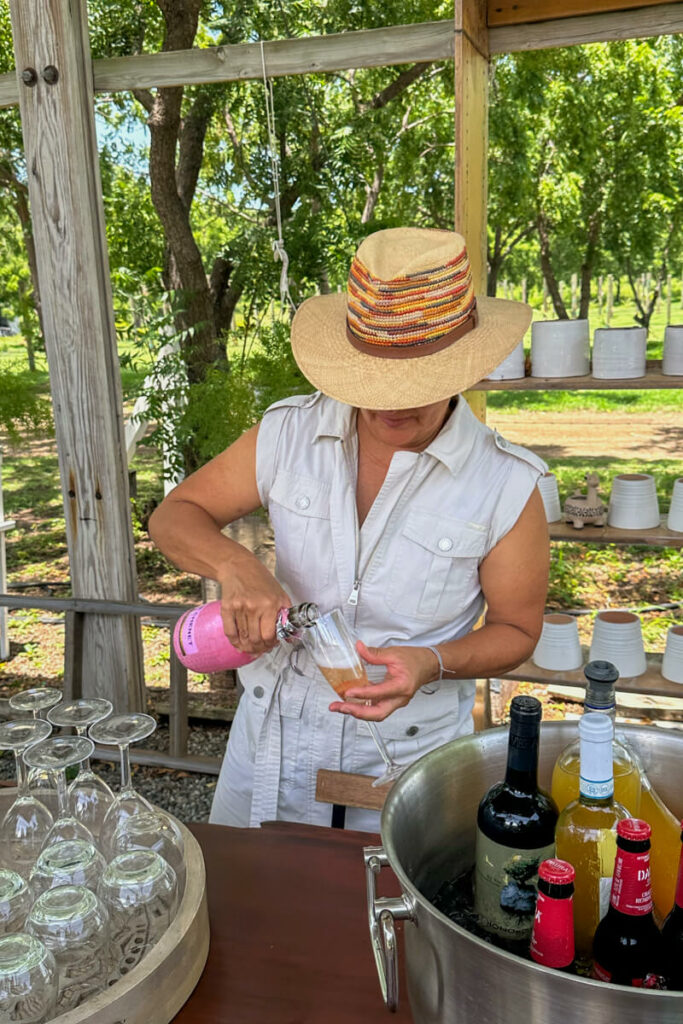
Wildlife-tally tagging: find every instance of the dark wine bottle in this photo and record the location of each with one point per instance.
(672, 935)
(627, 948)
(552, 939)
(515, 832)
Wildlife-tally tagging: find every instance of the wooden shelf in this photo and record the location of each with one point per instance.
(651, 681)
(654, 378)
(658, 536)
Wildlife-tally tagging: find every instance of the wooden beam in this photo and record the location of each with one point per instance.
(399, 44)
(518, 12)
(471, 67)
(350, 790)
(56, 102)
(641, 23)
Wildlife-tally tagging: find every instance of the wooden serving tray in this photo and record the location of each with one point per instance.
(154, 991)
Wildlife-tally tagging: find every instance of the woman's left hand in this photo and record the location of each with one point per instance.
(408, 668)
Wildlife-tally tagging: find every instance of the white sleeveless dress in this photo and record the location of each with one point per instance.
(412, 571)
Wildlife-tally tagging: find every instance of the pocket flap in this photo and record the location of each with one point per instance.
(446, 536)
(301, 494)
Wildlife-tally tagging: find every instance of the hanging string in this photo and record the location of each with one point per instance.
(278, 244)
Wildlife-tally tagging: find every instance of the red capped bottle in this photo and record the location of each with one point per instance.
(627, 948)
(552, 939)
(672, 935)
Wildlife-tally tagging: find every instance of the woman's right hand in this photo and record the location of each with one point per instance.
(251, 600)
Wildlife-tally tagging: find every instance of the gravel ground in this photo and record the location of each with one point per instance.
(187, 795)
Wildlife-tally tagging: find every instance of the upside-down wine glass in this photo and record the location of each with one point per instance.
(121, 731)
(89, 795)
(38, 700)
(332, 646)
(28, 821)
(56, 754)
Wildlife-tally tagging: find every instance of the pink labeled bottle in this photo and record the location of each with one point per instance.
(200, 642)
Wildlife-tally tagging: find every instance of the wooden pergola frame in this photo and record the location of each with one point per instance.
(54, 85)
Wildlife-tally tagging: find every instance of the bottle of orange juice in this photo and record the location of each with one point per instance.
(601, 677)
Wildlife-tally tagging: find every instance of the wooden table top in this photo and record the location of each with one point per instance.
(289, 932)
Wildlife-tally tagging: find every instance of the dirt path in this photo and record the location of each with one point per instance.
(621, 435)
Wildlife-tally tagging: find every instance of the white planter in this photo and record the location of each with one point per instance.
(672, 663)
(619, 353)
(618, 637)
(558, 648)
(550, 495)
(633, 503)
(675, 518)
(560, 348)
(672, 357)
(512, 367)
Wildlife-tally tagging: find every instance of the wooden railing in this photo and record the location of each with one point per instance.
(75, 609)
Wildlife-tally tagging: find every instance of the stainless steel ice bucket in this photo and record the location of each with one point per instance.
(428, 835)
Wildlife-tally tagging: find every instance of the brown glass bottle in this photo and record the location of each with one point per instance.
(552, 939)
(672, 935)
(627, 948)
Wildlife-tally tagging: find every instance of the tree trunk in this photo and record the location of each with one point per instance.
(587, 265)
(547, 269)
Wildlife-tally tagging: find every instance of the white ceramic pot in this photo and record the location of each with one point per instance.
(550, 494)
(633, 503)
(618, 637)
(619, 353)
(560, 348)
(559, 648)
(512, 367)
(675, 518)
(672, 663)
(672, 356)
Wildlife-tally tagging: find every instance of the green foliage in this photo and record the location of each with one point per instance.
(24, 409)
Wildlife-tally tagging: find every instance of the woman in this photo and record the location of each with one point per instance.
(389, 499)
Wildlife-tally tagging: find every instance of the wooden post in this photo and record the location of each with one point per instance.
(54, 74)
(600, 298)
(610, 297)
(4, 526)
(524, 289)
(545, 299)
(575, 294)
(471, 62)
(668, 299)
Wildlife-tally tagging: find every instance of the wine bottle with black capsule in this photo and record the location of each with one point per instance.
(515, 832)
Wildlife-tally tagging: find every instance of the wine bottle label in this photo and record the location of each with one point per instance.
(552, 941)
(186, 632)
(631, 888)
(505, 886)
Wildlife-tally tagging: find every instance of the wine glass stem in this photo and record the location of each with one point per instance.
(62, 793)
(379, 743)
(22, 776)
(125, 766)
(85, 763)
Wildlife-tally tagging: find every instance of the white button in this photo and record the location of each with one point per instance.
(303, 502)
(445, 544)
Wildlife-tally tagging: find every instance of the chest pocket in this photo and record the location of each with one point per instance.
(435, 571)
(299, 509)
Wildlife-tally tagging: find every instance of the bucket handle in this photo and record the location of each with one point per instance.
(382, 912)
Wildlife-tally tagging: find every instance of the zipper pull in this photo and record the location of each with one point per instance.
(353, 596)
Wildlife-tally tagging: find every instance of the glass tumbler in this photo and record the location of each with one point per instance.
(72, 923)
(15, 901)
(28, 980)
(140, 891)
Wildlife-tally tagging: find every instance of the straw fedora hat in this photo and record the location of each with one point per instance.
(409, 330)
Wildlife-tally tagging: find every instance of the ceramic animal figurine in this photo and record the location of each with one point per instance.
(585, 509)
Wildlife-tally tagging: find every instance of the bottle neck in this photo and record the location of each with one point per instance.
(522, 764)
(631, 887)
(552, 939)
(596, 781)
